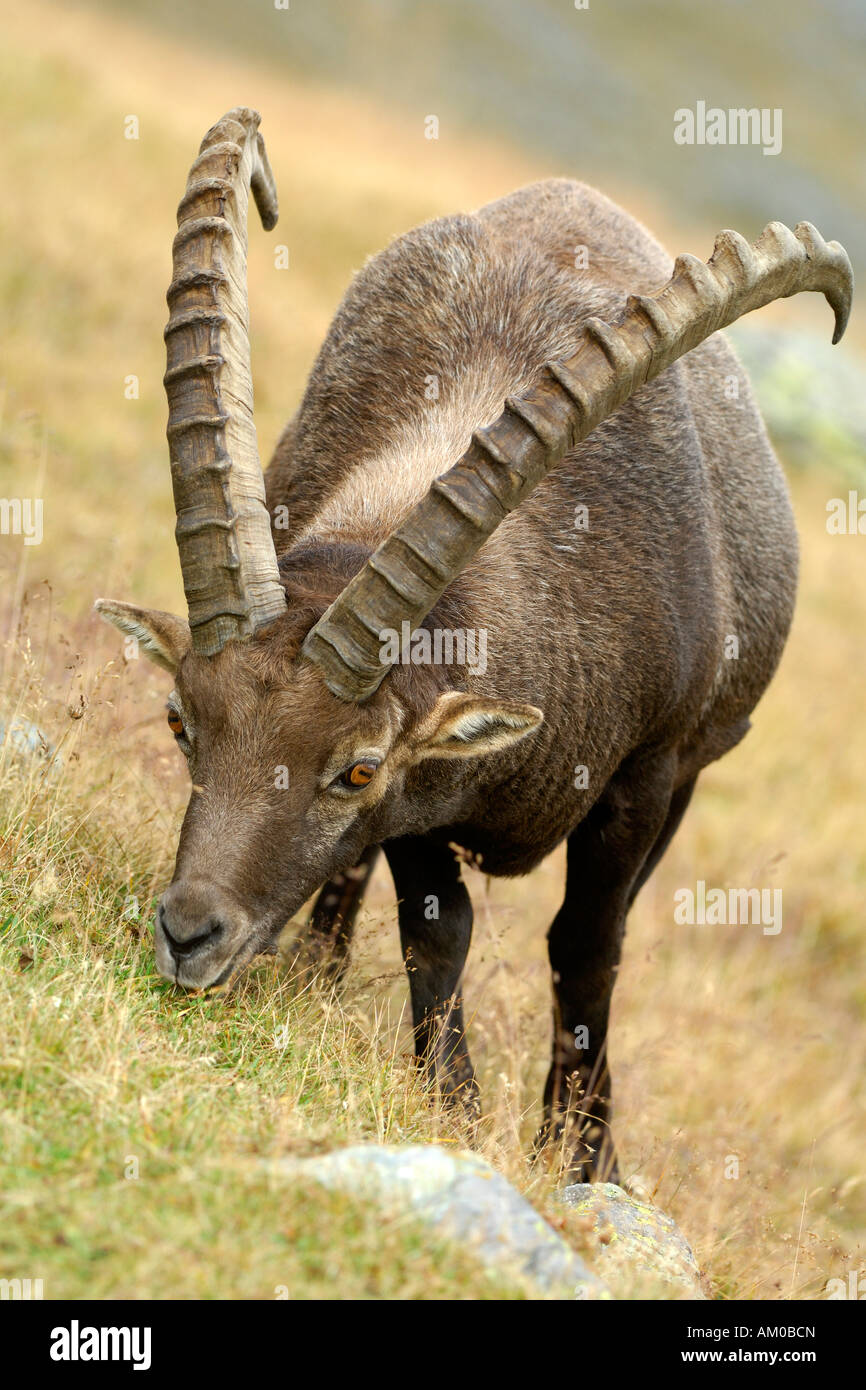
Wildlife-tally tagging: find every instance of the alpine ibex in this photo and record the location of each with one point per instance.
(494, 439)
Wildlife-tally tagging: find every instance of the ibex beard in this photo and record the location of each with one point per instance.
(559, 391)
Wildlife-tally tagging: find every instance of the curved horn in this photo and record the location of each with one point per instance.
(223, 532)
(411, 569)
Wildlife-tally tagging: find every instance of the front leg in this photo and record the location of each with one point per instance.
(435, 915)
(610, 854)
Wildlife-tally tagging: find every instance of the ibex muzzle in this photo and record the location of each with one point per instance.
(605, 514)
(197, 922)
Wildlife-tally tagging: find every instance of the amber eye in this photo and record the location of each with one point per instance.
(175, 723)
(359, 774)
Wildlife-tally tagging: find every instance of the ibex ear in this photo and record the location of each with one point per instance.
(161, 636)
(468, 726)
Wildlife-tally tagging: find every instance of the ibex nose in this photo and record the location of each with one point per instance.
(185, 945)
(198, 931)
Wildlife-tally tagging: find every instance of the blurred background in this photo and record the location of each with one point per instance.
(520, 91)
(725, 1043)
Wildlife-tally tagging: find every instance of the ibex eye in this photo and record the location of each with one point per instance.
(175, 723)
(359, 774)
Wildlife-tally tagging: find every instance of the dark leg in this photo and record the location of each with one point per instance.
(610, 855)
(325, 948)
(435, 931)
(679, 802)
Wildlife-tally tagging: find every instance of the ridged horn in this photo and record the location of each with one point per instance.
(411, 569)
(223, 532)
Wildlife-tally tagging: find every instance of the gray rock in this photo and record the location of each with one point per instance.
(26, 740)
(633, 1250)
(463, 1199)
(640, 1251)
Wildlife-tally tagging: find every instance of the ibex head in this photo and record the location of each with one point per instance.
(290, 783)
(301, 753)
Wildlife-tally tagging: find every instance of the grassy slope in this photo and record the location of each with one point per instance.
(724, 1041)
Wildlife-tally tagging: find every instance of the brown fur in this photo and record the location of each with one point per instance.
(616, 633)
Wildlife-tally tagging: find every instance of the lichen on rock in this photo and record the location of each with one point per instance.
(637, 1249)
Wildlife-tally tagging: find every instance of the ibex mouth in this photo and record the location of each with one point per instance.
(226, 978)
(203, 935)
(221, 982)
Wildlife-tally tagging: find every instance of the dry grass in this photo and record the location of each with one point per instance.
(725, 1042)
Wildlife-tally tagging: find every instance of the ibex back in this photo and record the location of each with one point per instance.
(497, 449)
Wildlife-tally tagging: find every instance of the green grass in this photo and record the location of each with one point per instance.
(135, 1121)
